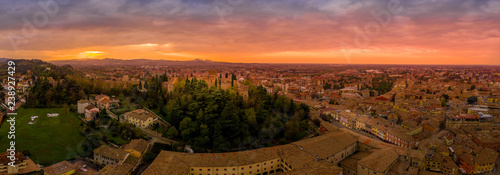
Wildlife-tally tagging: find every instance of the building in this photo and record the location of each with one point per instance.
(350, 165)
(139, 118)
(19, 163)
(485, 161)
(126, 168)
(61, 168)
(105, 155)
(82, 104)
(137, 147)
(90, 112)
(379, 162)
(467, 120)
(105, 102)
(319, 154)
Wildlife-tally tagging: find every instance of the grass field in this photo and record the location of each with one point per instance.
(49, 138)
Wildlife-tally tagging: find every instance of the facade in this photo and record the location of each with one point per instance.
(61, 168)
(90, 112)
(467, 120)
(298, 157)
(105, 102)
(379, 162)
(139, 118)
(82, 104)
(105, 155)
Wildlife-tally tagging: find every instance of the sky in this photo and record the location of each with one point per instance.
(255, 31)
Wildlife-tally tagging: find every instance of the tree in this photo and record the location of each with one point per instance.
(316, 122)
(472, 87)
(172, 132)
(187, 128)
(443, 102)
(2, 95)
(472, 100)
(138, 133)
(327, 86)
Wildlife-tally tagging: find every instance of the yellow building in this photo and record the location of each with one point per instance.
(379, 162)
(139, 118)
(137, 147)
(485, 161)
(61, 168)
(433, 161)
(303, 157)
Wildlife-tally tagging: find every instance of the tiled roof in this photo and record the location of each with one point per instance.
(380, 160)
(59, 168)
(113, 153)
(139, 145)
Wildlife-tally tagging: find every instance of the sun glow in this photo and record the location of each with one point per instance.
(90, 54)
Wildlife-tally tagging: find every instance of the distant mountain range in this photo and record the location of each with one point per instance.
(146, 62)
(3, 60)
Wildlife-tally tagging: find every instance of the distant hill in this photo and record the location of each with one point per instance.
(146, 62)
(39, 68)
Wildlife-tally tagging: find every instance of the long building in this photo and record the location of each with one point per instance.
(315, 155)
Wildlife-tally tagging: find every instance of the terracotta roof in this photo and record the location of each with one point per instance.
(352, 161)
(139, 145)
(328, 145)
(300, 155)
(140, 114)
(380, 160)
(83, 101)
(486, 156)
(59, 168)
(117, 169)
(90, 107)
(5, 160)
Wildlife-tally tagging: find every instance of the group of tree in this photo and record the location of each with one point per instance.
(210, 118)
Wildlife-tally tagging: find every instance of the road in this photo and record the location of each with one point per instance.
(337, 124)
(156, 138)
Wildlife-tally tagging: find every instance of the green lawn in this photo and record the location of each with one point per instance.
(50, 139)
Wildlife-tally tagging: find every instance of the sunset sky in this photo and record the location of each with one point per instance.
(255, 31)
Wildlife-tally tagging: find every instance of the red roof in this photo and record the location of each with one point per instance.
(475, 117)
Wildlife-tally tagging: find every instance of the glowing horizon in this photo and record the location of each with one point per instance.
(317, 31)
